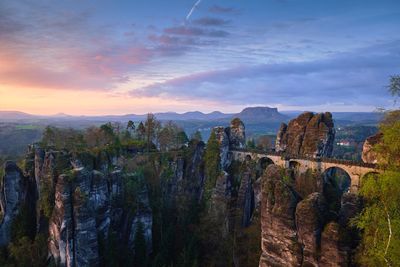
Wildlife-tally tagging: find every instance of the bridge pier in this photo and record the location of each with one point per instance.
(355, 183)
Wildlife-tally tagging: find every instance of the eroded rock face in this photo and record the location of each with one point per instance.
(143, 216)
(279, 233)
(222, 135)
(61, 229)
(257, 188)
(220, 199)
(308, 231)
(13, 196)
(237, 134)
(339, 241)
(310, 219)
(245, 200)
(81, 206)
(73, 226)
(85, 231)
(87, 205)
(368, 155)
(309, 135)
(229, 138)
(195, 173)
(331, 252)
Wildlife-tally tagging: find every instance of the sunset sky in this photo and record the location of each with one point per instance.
(138, 56)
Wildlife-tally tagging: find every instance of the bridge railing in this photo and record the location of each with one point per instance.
(317, 159)
(349, 162)
(257, 151)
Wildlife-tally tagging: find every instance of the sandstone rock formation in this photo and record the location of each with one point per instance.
(233, 137)
(222, 135)
(75, 204)
(245, 200)
(304, 232)
(368, 155)
(339, 240)
(61, 244)
(80, 214)
(310, 219)
(14, 196)
(309, 135)
(237, 135)
(279, 233)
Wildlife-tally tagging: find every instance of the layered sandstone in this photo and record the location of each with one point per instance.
(368, 154)
(309, 135)
(279, 243)
(303, 230)
(230, 138)
(15, 195)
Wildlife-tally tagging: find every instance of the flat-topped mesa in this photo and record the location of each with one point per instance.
(309, 135)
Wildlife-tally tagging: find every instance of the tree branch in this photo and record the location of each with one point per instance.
(390, 236)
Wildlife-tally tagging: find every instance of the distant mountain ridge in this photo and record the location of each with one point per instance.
(251, 115)
(247, 113)
(15, 115)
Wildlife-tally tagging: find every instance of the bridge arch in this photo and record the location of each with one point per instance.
(355, 170)
(262, 164)
(248, 158)
(339, 176)
(336, 182)
(294, 165)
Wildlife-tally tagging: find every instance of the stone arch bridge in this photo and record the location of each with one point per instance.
(355, 170)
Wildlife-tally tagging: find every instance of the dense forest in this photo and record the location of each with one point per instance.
(184, 232)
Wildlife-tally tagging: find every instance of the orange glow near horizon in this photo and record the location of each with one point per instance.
(77, 102)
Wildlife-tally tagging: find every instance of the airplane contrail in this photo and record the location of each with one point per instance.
(193, 9)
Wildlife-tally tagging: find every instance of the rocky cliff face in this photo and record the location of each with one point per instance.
(279, 243)
(310, 219)
(222, 135)
(233, 137)
(72, 228)
(85, 203)
(71, 202)
(237, 134)
(302, 229)
(368, 155)
(309, 135)
(15, 196)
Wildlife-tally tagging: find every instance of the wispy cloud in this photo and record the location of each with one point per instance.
(222, 10)
(195, 31)
(210, 21)
(348, 78)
